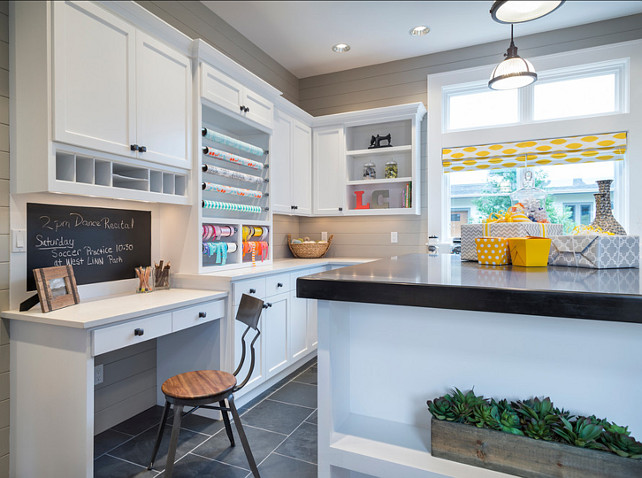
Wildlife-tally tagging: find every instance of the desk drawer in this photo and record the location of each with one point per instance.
(247, 286)
(123, 335)
(198, 314)
(277, 284)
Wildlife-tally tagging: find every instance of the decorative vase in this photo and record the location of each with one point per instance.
(603, 212)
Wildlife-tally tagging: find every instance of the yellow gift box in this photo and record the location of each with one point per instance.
(492, 250)
(529, 251)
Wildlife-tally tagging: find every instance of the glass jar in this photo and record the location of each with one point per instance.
(369, 171)
(530, 198)
(392, 170)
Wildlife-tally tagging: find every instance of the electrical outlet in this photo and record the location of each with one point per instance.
(98, 374)
(393, 237)
(324, 236)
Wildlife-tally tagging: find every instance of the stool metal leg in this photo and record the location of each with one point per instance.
(244, 442)
(159, 436)
(173, 443)
(226, 420)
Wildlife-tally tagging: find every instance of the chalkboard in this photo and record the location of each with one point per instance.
(101, 244)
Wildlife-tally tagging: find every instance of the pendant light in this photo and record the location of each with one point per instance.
(513, 72)
(518, 11)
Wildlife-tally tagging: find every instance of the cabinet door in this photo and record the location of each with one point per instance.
(220, 89)
(329, 171)
(275, 329)
(258, 109)
(312, 330)
(258, 375)
(163, 106)
(301, 161)
(94, 78)
(298, 326)
(280, 164)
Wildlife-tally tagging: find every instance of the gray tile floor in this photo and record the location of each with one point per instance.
(281, 426)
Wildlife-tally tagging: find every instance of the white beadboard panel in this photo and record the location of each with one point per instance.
(4, 82)
(4, 358)
(124, 389)
(197, 21)
(4, 328)
(4, 110)
(282, 226)
(125, 352)
(121, 411)
(4, 27)
(4, 165)
(4, 137)
(4, 413)
(4, 466)
(4, 247)
(4, 441)
(4, 275)
(4, 305)
(4, 192)
(4, 55)
(4, 386)
(4, 220)
(120, 370)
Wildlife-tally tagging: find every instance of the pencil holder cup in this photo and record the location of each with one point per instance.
(161, 279)
(145, 279)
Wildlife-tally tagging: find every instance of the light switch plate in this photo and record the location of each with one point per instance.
(324, 236)
(18, 240)
(99, 375)
(393, 237)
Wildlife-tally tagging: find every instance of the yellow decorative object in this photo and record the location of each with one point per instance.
(577, 149)
(492, 251)
(583, 230)
(529, 251)
(512, 214)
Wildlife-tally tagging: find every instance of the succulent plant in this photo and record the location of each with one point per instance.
(506, 417)
(622, 444)
(441, 409)
(582, 432)
(537, 418)
(483, 417)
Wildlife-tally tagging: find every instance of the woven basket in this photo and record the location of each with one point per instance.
(309, 251)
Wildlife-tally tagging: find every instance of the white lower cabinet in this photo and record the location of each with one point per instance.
(258, 375)
(275, 327)
(298, 326)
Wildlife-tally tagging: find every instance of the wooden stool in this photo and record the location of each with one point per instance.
(201, 388)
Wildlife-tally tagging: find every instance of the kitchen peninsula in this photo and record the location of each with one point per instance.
(397, 332)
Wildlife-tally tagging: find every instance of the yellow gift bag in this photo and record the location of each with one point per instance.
(492, 250)
(529, 251)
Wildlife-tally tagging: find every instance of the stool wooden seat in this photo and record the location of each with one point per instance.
(199, 385)
(201, 388)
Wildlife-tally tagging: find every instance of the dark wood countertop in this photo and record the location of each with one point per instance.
(445, 282)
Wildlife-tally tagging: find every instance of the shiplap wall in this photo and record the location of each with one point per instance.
(281, 227)
(197, 21)
(4, 237)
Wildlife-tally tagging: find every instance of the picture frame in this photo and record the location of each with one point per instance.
(56, 287)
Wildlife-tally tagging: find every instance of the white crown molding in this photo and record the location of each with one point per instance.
(374, 115)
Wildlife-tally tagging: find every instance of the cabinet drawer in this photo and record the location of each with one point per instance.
(198, 314)
(253, 287)
(277, 284)
(123, 335)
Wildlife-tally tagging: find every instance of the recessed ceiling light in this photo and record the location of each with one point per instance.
(341, 47)
(419, 31)
(512, 11)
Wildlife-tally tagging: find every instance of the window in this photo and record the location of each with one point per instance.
(573, 92)
(581, 213)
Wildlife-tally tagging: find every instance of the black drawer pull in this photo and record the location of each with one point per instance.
(242, 108)
(269, 305)
(142, 149)
(133, 147)
(139, 332)
(252, 291)
(279, 284)
(202, 315)
(265, 306)
(340, 209)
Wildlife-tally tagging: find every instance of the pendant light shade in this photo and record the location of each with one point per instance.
(513, 72)
(517, 11)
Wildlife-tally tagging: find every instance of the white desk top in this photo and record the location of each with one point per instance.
(96, 313)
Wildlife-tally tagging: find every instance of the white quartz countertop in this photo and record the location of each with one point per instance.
(99, 312)
(282, 265)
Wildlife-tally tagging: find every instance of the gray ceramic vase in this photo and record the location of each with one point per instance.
(603, 212)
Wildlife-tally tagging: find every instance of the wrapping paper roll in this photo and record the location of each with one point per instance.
(228, 206)
(229, 141)
(232, 158)
(226, 173)
(220, 188)
(211, 231)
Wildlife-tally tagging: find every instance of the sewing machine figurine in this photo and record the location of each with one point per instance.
(375, 141)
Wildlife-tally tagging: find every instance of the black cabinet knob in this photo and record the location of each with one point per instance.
(242, 108)
(291, 207)
(139, 332)
(202, 315)
(252, 291)
(142, 149)
(133, 147)
(269, 305)
(296, 207)
(247, 110)
(265, 306)
(279, 284)
(340, 209)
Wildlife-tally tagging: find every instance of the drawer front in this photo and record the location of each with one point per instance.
(253, 287)
(130, 333)
(197, 314)
(277, 284)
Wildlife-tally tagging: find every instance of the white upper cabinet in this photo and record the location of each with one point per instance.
(329, 171)
(94, 79)
(163, 98)
(118, 90)
(291, 158)
(230, 95)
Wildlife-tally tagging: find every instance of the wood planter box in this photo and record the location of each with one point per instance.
(523, 456)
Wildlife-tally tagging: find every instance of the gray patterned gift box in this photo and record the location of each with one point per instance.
(469, 232)
(595, 251)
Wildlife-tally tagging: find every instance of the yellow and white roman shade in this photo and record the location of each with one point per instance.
(541, 152)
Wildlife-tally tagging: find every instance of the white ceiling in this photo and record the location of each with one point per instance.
(299, 34)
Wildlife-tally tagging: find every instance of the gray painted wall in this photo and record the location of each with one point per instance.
(4, 237)
(197, 21)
